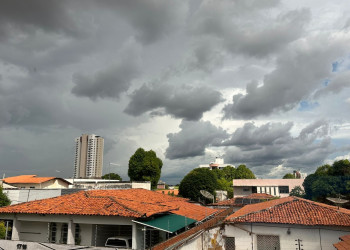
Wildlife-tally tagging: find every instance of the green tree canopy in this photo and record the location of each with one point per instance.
(196, 180)
(297, 191)
(242, 172)
(2, 230)
(328, 181)
(4, 200)
(111, 176)
(289, 176)
(145, 166)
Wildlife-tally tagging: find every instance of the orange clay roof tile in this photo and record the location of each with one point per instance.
(127, 203)
(292, 210)
(344, 244)
(28, 179)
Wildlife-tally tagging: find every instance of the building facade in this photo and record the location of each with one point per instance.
(217, 164)
(88, 161)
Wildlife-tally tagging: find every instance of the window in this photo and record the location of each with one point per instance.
(52, 232)
(284, 189)
(254, 190)
(246, 189)
(268, 242)
(77, 238)
(230, 243)
(64, 233)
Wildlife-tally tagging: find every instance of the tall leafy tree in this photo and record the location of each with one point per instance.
(242, 172)
(289, 176)
(196, 180)
(145, 166)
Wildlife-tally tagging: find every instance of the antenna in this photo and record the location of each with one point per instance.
(206, 194)
(337, 201)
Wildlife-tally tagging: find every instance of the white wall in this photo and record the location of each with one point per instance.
(312, 237)
(238, 191)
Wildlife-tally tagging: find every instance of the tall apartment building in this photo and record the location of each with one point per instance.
(88, 156)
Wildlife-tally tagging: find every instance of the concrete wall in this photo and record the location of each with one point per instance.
(210, 239)
(23, 195)
(313, 238)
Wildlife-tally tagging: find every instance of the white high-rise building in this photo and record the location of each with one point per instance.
(88, 156)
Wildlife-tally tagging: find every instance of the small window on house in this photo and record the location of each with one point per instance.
(284, 189)
(52, 232)
(230, 243)
(32, 187)
(64, 233)
(77, 237)
(254, 190)
(246, 189)
(268, 242)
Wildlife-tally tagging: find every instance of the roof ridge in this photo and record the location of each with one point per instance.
(113, 199)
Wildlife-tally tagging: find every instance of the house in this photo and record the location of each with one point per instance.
(88, 218)
(92, 183)
(287, 223)
(32, 181)
(275, 187)
(217, 164)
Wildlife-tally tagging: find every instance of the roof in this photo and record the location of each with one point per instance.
(134, 203)
(169, 223)
(168, 191)
(241, 201)
(292, 210)
(344, 244)
(30, 179)
(267, 182)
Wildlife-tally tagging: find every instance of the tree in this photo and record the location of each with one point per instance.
(196, 180)
(2, 230)
(242, 172)
(4, 200)
(145, 166)
(297, 191)
(112, 176)
(289, 176)
(323, 170)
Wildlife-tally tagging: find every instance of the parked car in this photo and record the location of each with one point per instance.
(119, 242)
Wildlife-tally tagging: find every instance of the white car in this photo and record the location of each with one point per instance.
(119, 242)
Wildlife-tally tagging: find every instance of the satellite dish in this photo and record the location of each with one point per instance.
(206, 194)
(337, 200)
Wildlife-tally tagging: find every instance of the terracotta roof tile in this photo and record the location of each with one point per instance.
(344, 244)
(28, 179)
(127, 203)
(292, 210)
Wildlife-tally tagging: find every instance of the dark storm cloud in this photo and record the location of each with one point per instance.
(250, 135)
(300, 70)
(152, 19)
(184, 101)
(108, 83)
(28, 16)
(193, 138)
(305, 151)
(235, 26)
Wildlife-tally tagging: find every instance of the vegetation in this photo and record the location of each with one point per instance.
(145, 166)
(289, 176)
(196, 180)
(297, 191)
(4, 200)
(2, 230)
(203, 179)
(329, 181)
(112, 176)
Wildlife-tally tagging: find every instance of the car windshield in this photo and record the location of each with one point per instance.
(116, 242)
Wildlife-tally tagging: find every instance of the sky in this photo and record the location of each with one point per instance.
(263, 83)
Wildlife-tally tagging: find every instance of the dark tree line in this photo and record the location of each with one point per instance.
(329, 181)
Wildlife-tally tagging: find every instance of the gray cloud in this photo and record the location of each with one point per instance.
(274, 145)
(24, 17)
(299, 71)
(152, 19)
(184, 101)
(193, 138)
(335, 86)
(113, 81)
